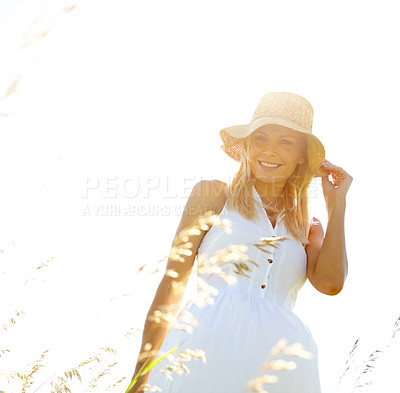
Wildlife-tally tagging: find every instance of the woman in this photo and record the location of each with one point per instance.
(268, 197)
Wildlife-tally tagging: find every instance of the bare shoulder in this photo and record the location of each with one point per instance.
(208, 195)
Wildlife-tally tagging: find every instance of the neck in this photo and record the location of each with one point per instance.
(268, 192)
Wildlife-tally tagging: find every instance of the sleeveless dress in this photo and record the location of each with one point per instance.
(248, 318)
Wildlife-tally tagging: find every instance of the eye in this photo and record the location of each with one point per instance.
(286, 142)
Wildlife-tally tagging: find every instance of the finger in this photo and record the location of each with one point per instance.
(326, 183)
(328, 164)
(315, 221)
(337, 176)
(337, 170)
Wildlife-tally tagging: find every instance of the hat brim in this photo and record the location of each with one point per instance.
(232, 138)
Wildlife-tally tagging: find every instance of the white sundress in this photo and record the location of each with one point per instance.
(248, 318)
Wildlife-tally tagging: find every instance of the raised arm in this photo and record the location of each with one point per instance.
(206, 195)
(327, 258)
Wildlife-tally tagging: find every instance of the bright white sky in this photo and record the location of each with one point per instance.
(107, 97)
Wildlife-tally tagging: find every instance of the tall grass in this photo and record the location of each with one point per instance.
(360, 374)
(98, 371)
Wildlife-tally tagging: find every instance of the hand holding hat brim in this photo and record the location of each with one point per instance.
(322, 172)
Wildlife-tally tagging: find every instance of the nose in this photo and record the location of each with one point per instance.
(267, 147)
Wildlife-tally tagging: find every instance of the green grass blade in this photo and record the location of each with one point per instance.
(149, 367)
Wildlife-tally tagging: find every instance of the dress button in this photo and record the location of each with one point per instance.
(270, 260)
(263, 286)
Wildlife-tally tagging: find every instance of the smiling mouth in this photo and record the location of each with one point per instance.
(269, 164)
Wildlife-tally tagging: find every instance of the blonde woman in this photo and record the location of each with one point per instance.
(268, 197)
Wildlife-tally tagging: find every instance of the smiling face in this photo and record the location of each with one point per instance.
(275, 151)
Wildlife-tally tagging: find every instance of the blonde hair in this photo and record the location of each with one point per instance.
(293, 199)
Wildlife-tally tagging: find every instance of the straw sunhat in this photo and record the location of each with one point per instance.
(285, 109)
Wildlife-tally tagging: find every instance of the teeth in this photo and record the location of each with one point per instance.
(269, 165)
